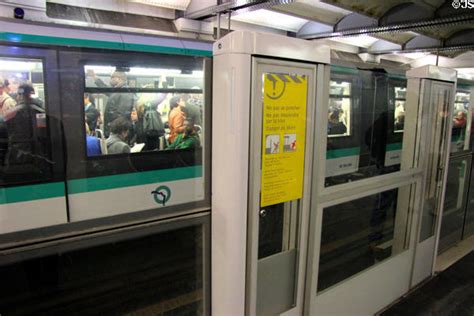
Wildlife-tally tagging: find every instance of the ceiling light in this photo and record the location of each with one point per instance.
(466, 73)
(271, 19)
(413, 55)
(360, 41)
(170, 4)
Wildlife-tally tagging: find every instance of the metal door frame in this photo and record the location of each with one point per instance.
(259, 67)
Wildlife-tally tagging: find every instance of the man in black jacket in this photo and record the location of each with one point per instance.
(119, 104)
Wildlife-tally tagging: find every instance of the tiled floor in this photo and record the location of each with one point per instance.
(451, 292)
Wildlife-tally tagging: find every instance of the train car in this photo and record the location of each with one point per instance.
(93, 171)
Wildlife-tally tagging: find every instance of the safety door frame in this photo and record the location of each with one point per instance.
(423, 79)
(353, 295)
(261, 66)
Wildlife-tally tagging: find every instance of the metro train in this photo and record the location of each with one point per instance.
(66, 192)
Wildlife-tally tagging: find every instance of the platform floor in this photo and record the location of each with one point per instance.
(451, 292)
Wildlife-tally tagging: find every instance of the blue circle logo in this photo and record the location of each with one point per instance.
(161, 194)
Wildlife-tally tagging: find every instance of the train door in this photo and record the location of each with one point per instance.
(431, 94)
(32, 189)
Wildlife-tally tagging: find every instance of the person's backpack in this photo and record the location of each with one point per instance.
(152, 122)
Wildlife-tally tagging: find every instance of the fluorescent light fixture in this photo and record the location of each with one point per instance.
(100, 69)
(413, 55)
(271, 19)
(10, 65)
(466, 73)
(198, 73)
(170, 4)
(138, 71)
(359, 41)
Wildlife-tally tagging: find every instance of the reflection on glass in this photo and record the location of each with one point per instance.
(399, 113)
(461, 121)
(161, 274)
(366, 120)
(360, 233)
(25, 153)
(339, 111)
(453, 213)
(134, 109)
(469, 223)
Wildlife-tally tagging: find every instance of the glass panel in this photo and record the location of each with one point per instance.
(461, 120)
(469, 223)
(130, 110)
(365, 125)
(339, 111)
(25, 149)
(360, 233)
(454, 203)
(440, 103)
(155, 275)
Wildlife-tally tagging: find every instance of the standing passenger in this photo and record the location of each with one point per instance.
(92, 114)
(28, 149)
(176, 117)
(119, 104)
(6, 101)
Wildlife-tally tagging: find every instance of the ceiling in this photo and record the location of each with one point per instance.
(388, 29)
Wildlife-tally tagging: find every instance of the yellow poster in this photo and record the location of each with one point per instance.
(283, 137)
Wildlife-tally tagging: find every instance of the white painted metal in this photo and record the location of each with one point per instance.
(32, 214)
(424, 85)
(231, 109)
(104, 203)
(370, 290)
(260, 67)
(252, 43)
(230, 169)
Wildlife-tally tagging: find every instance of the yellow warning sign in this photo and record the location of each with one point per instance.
(283, 137)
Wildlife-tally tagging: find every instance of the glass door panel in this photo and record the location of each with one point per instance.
(454, 203)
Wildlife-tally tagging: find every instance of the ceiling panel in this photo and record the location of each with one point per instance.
(396, 37)
(313, 10)
(370, 8)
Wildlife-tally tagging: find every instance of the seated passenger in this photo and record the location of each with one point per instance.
(117, 141)
(335, 126)
(92, 143)
(400, 121)
(188, 139)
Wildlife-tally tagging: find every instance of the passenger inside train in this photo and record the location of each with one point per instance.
(145, 98)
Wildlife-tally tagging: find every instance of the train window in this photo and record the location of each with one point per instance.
(25, 152)
(339, 111)
(399, 113)
(137, 109)
(461, 121)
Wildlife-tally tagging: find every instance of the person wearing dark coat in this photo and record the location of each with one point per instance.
(119, 104)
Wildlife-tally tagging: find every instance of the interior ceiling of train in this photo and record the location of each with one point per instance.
(408, 33)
